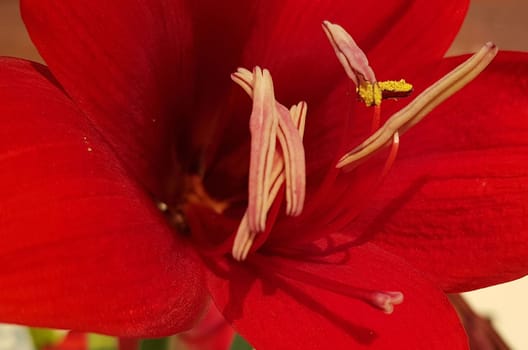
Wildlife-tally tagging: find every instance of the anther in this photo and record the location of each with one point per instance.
(385, 301)
(395, 88)
(352, 58)
(382, 300)
(263, 126)
(422, 105)
(357, 68)
(269, 168)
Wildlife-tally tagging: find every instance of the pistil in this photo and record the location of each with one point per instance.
(270, 166)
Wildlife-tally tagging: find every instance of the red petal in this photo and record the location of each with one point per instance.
(455, 203)
(276, 312)
(126, 64)
(83, 247)
(287, 38)
(213, 332)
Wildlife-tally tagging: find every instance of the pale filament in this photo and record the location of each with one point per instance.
(382, 300)
(269, 168)
(263, 126)
(415, 111)
(245, 237)
(291, 145)
(352, 58)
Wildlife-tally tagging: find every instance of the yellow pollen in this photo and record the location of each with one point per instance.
(370, 93)
(373, 93)
(397, 87)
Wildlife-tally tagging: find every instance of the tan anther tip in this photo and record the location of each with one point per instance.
(491, 45)
(492, 48)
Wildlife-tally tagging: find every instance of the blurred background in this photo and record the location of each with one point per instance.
(504, 22)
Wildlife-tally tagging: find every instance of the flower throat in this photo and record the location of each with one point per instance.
(277, 167)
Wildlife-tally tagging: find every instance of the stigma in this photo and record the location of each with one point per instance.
(276, 157)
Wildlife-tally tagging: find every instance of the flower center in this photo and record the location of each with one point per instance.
(193, 193)
(277, 159)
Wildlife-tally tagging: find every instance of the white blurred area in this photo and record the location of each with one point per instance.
(507, 306)
(15, 338)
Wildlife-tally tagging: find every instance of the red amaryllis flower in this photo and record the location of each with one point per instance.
(137, 112)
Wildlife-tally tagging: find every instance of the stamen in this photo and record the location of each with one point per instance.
(395, 89)
(357, 68)
(376, 118)
(352, 58)
(242, 238)
(383, 300)
(422, 105)
(263, 126)
(288, 166)
(298, 114)
(386, 300)
(291, 145)
(293, 154)
(392, 154)
(370, 94)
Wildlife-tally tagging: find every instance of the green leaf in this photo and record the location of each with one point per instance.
(102, 342)
(240, 343)
(155, 344)
(46, 337)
